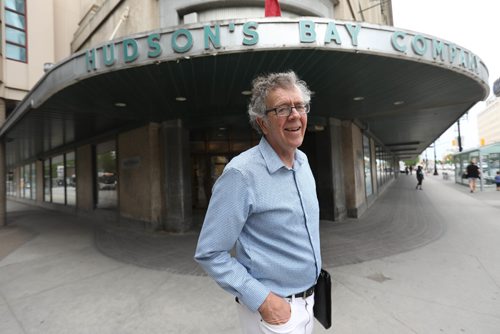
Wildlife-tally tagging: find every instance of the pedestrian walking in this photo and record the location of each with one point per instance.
(420, 177)
(265, 206)
(473, 173)
(497, 180)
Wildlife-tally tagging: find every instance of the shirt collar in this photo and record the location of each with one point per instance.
(273, 161)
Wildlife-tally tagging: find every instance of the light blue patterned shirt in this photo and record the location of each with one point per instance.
(270, 214)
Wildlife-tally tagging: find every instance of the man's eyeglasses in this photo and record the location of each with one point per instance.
(286, 111)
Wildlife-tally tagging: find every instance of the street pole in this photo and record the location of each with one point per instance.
(426, 161)
(481, 174)
(435, 161)
(459, 137)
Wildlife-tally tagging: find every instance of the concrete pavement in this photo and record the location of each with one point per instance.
(417, 262)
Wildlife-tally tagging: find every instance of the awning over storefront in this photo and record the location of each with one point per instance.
(405, 88)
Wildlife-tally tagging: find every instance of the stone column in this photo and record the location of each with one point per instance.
(330, 178)
(139, 170)
(3, 171)
(176, 177)
(340, 210)
(354, 181)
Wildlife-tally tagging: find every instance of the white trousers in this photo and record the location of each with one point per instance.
(301, 320)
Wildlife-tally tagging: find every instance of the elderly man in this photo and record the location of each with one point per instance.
(265, 206)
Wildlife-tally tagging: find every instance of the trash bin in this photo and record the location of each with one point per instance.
(445, 176)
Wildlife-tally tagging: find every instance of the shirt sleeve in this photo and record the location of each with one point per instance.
(227, 213)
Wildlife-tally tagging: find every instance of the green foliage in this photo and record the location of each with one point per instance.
(413, 162)
(106, 162)
(448, 159)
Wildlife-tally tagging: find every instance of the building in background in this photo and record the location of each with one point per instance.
(144, 102)
(488, 122)
(27, 43)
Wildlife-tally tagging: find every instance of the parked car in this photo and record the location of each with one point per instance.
(107, 181)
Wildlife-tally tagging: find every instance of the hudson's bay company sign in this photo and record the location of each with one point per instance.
(228, 37)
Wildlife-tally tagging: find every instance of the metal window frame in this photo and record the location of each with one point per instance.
(25, 30)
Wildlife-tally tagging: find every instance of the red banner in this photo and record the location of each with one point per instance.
(272, 8)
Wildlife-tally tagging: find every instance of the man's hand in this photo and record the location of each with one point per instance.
(275, 310)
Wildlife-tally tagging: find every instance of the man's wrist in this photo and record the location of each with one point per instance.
(253, 297)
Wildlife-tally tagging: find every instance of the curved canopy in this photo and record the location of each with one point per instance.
(403, 87)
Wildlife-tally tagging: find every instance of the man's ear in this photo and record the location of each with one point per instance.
(262, 125)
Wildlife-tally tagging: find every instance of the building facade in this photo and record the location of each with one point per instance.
(488, 122)
(144, 102)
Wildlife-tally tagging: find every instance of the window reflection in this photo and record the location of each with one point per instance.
(368, 165)
(107, 177)
(57, 179)
(11, 184)
(17, 5)
(15, 20)
(33, 181)
(15, 30)
(47, 194)
(385, 165)
(70, 176)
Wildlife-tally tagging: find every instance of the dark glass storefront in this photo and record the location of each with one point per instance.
(211, 150)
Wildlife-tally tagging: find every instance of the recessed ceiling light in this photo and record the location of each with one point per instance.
(180, 98)
(358, 98)
(120, 104)
(398, 103)
(246, 92)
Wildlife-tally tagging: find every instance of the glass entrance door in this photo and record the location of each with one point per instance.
(206, 170)
(211, 150)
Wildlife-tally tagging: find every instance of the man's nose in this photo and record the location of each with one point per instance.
(294, 113)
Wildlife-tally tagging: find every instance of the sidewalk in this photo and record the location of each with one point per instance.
(417, 262)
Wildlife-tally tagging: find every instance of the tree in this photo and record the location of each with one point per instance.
(413, 162)
(448, 159)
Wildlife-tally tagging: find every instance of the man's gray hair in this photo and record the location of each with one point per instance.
(264, 84)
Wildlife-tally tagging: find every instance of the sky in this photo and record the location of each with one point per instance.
(470, 24)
